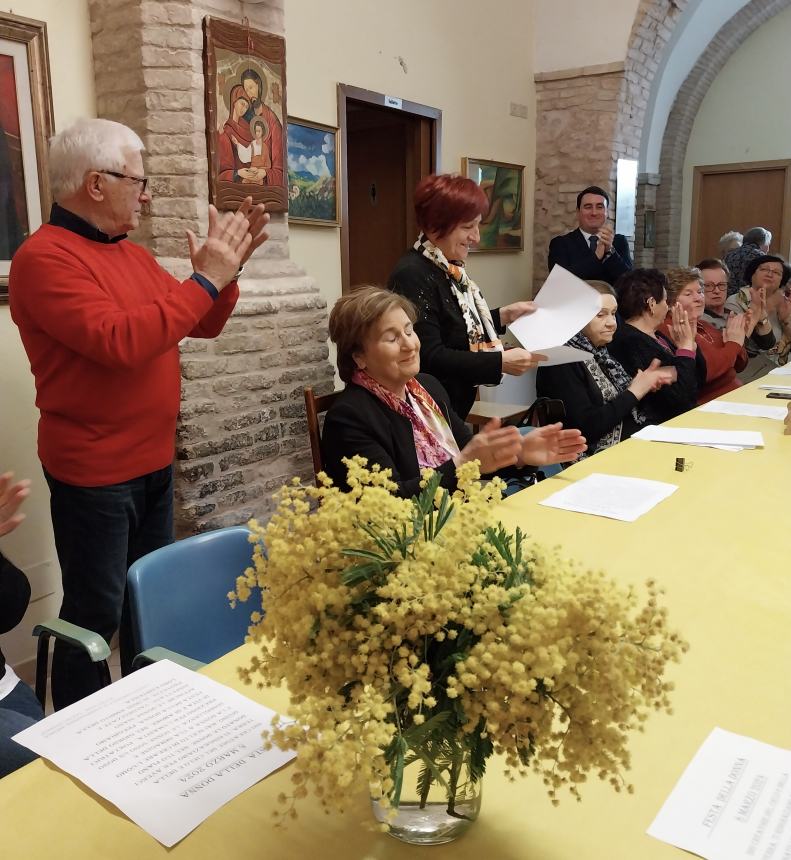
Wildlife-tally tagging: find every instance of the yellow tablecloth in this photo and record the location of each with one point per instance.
(719, 545)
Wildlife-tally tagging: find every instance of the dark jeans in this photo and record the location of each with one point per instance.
(18, 710)
(99, 532)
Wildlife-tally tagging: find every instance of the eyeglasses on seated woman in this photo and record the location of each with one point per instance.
(400, 419)
(601, 399)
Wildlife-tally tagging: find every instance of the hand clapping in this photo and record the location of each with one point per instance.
(11, 497)
(231, 239)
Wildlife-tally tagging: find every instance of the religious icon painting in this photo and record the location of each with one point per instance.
(502, 228)
(312, 173)
(26, 124)
(245, 73)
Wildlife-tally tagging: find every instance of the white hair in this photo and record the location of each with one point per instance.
(731, 236)
(88, 144)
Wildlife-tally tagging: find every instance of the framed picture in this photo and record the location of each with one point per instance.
(503, 226)
(312, 173)
(26, 124)
(245, 73)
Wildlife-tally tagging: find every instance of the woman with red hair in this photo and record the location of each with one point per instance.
(459, 335)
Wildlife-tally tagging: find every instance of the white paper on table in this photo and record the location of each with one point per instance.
(700, 436)
(611, 496)
(563, 355)
(723, 407)
(775, 387)
(732, 801)
(784, 370)
(564, 305)
(166, 745)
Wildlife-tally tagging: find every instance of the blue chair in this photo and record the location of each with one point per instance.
(178, 598)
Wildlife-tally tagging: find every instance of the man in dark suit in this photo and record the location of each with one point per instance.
(593, 251)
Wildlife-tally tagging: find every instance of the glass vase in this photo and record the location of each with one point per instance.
(433, 811)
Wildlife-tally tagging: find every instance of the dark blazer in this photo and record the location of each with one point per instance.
(444, 346)
(573, 252)
(359, 423)
(636, 350)
(586, 409)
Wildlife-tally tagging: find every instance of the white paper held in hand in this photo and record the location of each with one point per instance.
(565, 304)
(612, 496)
(166, 745)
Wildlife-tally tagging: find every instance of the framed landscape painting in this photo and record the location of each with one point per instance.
(245, 72)
(26, 124)
(312, 173)
(502, 228)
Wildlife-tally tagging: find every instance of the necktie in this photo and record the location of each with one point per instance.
(594, 241)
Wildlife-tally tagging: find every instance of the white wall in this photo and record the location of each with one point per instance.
(453, 59)
(745, 115)
(571, 33)
(698, 24)
(31, 546)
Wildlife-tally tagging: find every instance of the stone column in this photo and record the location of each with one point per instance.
(242, 429)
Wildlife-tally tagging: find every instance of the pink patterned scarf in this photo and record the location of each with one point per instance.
(429, 449)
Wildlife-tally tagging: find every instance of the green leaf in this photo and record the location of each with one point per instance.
(397, 771)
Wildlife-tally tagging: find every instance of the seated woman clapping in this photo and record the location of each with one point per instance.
(723, 349)
(642, 299)
(400, 419)
(602, 400)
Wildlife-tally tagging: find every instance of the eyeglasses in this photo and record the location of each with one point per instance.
(718, 287)
(778, 273)
(142, 180)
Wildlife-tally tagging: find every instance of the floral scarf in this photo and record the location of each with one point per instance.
(481, 332)
(430, 450)
(611, 379)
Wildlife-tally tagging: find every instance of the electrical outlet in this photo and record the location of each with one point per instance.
(519, 110)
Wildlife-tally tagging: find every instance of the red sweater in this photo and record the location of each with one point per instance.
(101, 325)
(723, 360)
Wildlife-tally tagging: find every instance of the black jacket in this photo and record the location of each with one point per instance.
(444, 346)
(636, 350)
(14, 598)
(586, 409)
(359, 423)
(574, 253)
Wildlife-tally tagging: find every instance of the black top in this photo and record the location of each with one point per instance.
(573, 252)
(586, 408)
(636, 350)
(14, 598)
(444, 345)
(358, 422)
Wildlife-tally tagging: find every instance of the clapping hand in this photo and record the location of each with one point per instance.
(257, 219)
(605, 237)
(758, 303)
(495, 447)
(681, 328)
(551, 444)
(11, 497)
(736, 328)
(652, 379)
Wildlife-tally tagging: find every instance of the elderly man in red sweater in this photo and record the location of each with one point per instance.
(101, 322)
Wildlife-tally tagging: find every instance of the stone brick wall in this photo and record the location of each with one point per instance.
(242, 430)
(576, 122)
(588, 118)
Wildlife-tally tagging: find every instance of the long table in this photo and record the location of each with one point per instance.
(720, 547)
